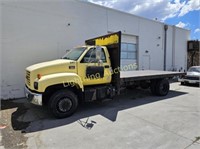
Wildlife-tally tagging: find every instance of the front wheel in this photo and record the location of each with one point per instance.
(63, 103)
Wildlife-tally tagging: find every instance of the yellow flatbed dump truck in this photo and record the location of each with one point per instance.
(88, 73)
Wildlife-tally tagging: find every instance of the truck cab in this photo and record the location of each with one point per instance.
(82, 73)
(91, 64)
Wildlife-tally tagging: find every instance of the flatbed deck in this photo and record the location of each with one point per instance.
(147, 74)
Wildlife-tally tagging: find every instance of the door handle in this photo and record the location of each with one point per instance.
(106, 66)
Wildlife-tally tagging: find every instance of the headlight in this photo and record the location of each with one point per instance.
(36, 85)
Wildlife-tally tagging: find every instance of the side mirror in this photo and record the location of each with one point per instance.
(98, 53)
(100, 62)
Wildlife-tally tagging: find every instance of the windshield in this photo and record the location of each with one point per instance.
(74, 54)
(194, 69)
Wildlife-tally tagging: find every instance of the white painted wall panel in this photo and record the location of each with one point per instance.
(118, 21)
(151, 44)
(181, 38)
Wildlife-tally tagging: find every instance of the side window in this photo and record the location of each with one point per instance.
(103, 57)
(92, 56)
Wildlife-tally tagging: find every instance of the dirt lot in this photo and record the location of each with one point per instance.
(135, 119)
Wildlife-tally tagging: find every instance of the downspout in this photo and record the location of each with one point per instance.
(173, 48)
(165, 45)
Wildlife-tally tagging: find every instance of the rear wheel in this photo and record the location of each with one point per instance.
(63, 103)
(144, 84)
(182, 83)
(132, 87)
(153, 86)
(162, 87)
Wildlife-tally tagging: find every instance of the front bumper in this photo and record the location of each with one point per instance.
(33, 98)
(189, 81)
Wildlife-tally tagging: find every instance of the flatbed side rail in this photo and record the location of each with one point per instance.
(140, 77)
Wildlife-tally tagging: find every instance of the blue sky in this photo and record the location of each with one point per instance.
(182, 13)
(189, 21)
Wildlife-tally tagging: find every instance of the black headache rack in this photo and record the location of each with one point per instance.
(113, 43)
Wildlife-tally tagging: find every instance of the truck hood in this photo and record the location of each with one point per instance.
(50, 67)
(50, 64)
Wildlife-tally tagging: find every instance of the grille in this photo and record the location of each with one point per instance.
(28, 77)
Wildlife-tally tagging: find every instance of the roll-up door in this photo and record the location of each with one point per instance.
(129, 52)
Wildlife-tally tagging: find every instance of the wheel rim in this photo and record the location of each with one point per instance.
(64, 105)
(164, 88)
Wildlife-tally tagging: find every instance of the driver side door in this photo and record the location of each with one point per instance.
(94, 67)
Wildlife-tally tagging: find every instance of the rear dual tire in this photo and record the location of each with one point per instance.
(160, 87)
(182, 83)
(153, 87)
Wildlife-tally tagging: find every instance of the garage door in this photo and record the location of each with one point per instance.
(129, 52)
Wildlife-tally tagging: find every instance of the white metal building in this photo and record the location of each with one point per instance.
(37, 31)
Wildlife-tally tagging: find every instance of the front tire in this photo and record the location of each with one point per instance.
(63, 103)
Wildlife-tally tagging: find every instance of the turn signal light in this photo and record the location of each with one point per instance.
(39, 76)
